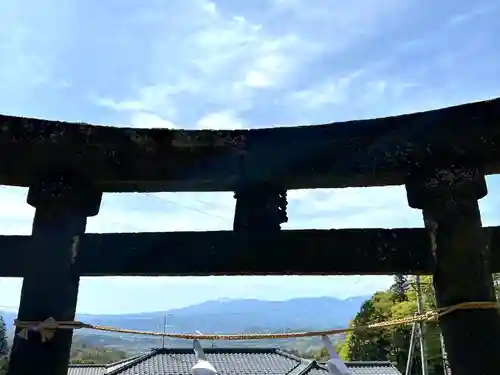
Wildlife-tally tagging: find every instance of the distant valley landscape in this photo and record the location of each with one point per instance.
(221, 316)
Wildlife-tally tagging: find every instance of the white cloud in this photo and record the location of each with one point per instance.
(149, 120)
(256, 79)
(275, 61)
(231, 59)
(209, 7)
(127, 105)
(373, 207)
(331, 90)
(16, 215)
(220, 56)
(164, 212)
(220, 120)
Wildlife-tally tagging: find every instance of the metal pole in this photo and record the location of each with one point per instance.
(411, 352)
(164, 331)
(423, 351)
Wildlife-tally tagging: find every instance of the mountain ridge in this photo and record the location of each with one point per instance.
(224, 307)
(227, 316)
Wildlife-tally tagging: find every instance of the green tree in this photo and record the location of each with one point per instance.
(322, 354)
(400, 287)
(393, 343)
(4, 347)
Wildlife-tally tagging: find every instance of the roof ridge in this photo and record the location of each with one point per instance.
(308, 365)
(219, 349)
(369, 363)
(304, 365)
(87, 365)
(295, 365)
(323, 365)
(125, 360)
(133, 362)
(287, 354)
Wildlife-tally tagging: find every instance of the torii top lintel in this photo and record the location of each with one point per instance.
(374, 152)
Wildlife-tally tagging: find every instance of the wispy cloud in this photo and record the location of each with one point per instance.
(220, 56)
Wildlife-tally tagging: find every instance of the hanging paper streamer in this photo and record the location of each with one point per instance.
(335, 364)
(202, 367)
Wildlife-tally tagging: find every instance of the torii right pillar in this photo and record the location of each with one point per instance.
(448, 197)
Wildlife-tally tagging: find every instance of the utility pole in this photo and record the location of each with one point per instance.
(420, 308)
(411, 352)
(164, 331)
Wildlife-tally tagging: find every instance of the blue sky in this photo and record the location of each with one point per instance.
(238, 64)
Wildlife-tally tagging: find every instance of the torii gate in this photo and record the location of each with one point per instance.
(441, 157)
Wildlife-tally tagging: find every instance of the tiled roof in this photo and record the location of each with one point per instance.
(231, 361)
(77, 369)
(237, 361)
(120, 364)
(89, 369)
(360, 368)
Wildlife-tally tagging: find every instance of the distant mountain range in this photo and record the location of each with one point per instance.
(222, 316)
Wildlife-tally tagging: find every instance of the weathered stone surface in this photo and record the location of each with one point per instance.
(50, 277)
(354, 153)
(342, 252)
(460, 246)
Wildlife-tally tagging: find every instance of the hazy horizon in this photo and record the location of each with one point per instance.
(185, 291)
(222, 299)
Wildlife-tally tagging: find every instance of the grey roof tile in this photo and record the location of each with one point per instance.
(237, 361)
(81, 369)
(226, 361)
(361, 368)
(91, 369)
(121, 364)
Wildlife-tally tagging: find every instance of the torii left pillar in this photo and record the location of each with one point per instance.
(50, 286)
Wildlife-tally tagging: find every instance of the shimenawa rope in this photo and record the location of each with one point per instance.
(47, 327)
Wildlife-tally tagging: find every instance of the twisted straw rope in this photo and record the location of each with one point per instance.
(47, 327)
